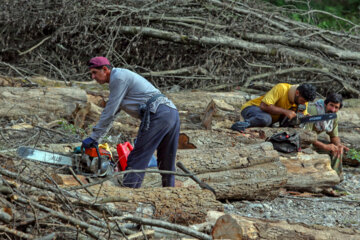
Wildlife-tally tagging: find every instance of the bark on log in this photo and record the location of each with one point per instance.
(178, 205)
(309, 172)
(238, 227)
(258, 182)
(49, 103)
(227, 158)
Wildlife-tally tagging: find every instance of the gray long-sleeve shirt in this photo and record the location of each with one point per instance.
(127, 91)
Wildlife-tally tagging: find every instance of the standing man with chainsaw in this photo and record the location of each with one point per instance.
(332, 104)
(281, 101)
(160, 124)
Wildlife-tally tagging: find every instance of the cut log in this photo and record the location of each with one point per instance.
(48, 103)
(184, 142)
(219, 110)
(208, 115)
(178, 205)
(309, 172)
(68, 180)
(85, 115)
(227, 158)
(258, 182)
(238, 227)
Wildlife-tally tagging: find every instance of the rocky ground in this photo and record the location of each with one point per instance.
(343, 211)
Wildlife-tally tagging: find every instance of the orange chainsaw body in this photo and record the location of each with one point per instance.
(91, 152)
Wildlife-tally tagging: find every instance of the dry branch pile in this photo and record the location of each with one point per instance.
(207, 44)
(33, 204)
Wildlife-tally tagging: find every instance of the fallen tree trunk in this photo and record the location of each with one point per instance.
(227, 158)
(309, 172)
(258, 182)
(49, 103)
(238, 227)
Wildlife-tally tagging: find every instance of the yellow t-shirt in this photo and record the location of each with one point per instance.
(277, 96)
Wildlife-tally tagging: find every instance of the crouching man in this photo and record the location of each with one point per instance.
(281, 101)
(332, 104)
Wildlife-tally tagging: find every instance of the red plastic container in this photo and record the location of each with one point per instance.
(123, 150)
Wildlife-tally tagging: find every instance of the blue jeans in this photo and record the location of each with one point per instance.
(163, 135)
(256, 117)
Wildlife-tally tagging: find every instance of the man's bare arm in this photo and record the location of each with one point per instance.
(337, 142)
(326, 147)
(277, 110)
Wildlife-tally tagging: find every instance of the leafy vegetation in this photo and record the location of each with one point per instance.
(326, 14)
(353, 154)
(71, 129)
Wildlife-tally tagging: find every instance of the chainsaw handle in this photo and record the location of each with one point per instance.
(99, 156)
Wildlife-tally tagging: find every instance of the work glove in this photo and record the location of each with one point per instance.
(89, 142)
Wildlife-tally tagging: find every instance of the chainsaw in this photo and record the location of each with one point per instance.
(94, 161)
(300, 120)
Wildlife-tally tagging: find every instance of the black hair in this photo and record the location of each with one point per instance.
(307, 91)
(334, 98)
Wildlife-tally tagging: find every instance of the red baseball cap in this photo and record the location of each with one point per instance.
(98, 62)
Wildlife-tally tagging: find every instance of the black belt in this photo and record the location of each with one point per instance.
(145, 112)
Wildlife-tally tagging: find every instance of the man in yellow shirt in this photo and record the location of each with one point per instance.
(281, 101)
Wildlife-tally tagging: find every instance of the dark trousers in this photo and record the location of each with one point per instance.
(256, 117)
(162, 135)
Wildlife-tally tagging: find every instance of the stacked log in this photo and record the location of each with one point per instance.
(238, 170)
(253, 172)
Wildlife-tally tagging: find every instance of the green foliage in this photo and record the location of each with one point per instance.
(70, 128)
(353, 154)
(346, 9)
